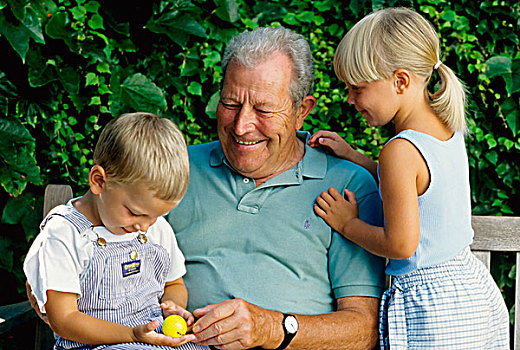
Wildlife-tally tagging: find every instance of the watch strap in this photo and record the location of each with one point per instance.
(288, 336)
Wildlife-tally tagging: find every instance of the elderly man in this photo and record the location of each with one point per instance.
(263, 269)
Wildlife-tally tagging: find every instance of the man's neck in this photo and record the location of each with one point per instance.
(296, 155)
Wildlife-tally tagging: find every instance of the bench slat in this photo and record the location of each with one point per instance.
(496, 233)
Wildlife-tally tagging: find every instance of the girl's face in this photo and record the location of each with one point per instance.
(376, 100)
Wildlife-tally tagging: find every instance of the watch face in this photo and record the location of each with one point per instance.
(291, 324)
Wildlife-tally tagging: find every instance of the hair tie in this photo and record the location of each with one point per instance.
(437, 65)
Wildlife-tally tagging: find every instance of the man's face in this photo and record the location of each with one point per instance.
(256, 121)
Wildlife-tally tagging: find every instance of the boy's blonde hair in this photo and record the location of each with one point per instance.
(399, 38)
(143, 147)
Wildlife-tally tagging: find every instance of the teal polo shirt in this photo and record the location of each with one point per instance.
(265, 244)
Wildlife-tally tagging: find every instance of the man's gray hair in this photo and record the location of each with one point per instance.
(250, 48)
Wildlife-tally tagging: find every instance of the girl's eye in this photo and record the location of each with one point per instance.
(132, 213)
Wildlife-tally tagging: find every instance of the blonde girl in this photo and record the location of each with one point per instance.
(441, 297)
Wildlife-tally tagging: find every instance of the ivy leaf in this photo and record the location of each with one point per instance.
(18, 36)
(69, 79)
(56, 27)
(195, 88)
(500, 66)
(511, 112)
(12, 130)
(140, 93)
(211, 107)
(177, 26)
(39, 73)
(18, 9)
(96, 22)
(227, 10)
(515, 74)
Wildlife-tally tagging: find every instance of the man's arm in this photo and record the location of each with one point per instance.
(239, 324)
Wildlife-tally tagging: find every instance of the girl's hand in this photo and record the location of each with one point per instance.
(335, 210)
(146, 333)
(170, 308)
(333, 143)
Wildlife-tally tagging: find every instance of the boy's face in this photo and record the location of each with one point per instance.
(125, 208)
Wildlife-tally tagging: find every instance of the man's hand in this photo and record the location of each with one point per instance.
(237, 324)
(34, 303)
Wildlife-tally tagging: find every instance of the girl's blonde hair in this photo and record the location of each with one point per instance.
(139, 147)
(399, 38)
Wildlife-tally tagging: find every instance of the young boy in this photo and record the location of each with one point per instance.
(106, 268)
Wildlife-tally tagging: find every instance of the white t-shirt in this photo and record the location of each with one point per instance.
(60, 255)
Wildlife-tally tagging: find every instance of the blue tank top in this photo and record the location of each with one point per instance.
(444, 208)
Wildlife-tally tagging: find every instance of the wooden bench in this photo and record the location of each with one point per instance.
(492, 234)
(17, 314)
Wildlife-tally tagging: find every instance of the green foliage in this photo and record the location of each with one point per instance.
(68, 67)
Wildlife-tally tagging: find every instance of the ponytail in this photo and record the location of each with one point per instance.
(449, 101)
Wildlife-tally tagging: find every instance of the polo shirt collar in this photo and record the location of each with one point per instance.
(313, 165)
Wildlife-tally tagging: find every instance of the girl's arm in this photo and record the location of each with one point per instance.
(404, 175)
(335, 144)
(68, 322)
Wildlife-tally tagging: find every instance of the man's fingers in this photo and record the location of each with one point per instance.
(211, 314)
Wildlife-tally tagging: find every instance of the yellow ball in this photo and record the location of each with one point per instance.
(174, 326)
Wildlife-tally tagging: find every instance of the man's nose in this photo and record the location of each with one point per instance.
(244, 120)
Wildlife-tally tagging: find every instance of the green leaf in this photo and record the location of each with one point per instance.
(91, 79)
(69, 79)
(510, 110)
(18, 36)
(227, 10)
(211, 107)
(500, 66)
(18, 8)
(177, 26)
(13, 131)
(195, 88)
(92, 6)
(140, 93)
(96, 22)
(515, 75)
(56, 27)
(78, 13)
(39, 73)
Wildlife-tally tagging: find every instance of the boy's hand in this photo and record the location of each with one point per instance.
(332, 207)
(170, 308)
(333, 143)
(146, 333)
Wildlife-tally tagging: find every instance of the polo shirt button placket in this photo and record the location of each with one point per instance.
(246, 180)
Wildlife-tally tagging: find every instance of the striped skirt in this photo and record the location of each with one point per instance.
(454, 305)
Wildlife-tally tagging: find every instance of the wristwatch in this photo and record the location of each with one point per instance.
(290, 327)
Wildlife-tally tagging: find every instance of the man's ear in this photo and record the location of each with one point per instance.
(307, 105)
(402, 80)
(97, 179)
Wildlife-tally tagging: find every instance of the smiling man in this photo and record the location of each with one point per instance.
(263, 269)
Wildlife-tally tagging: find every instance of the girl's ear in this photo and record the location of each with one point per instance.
(97, 179)
(402, 80)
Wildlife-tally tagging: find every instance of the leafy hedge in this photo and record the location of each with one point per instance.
(68, 67)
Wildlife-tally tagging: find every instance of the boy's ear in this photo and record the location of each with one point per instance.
(97, 179)
(402, 80)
